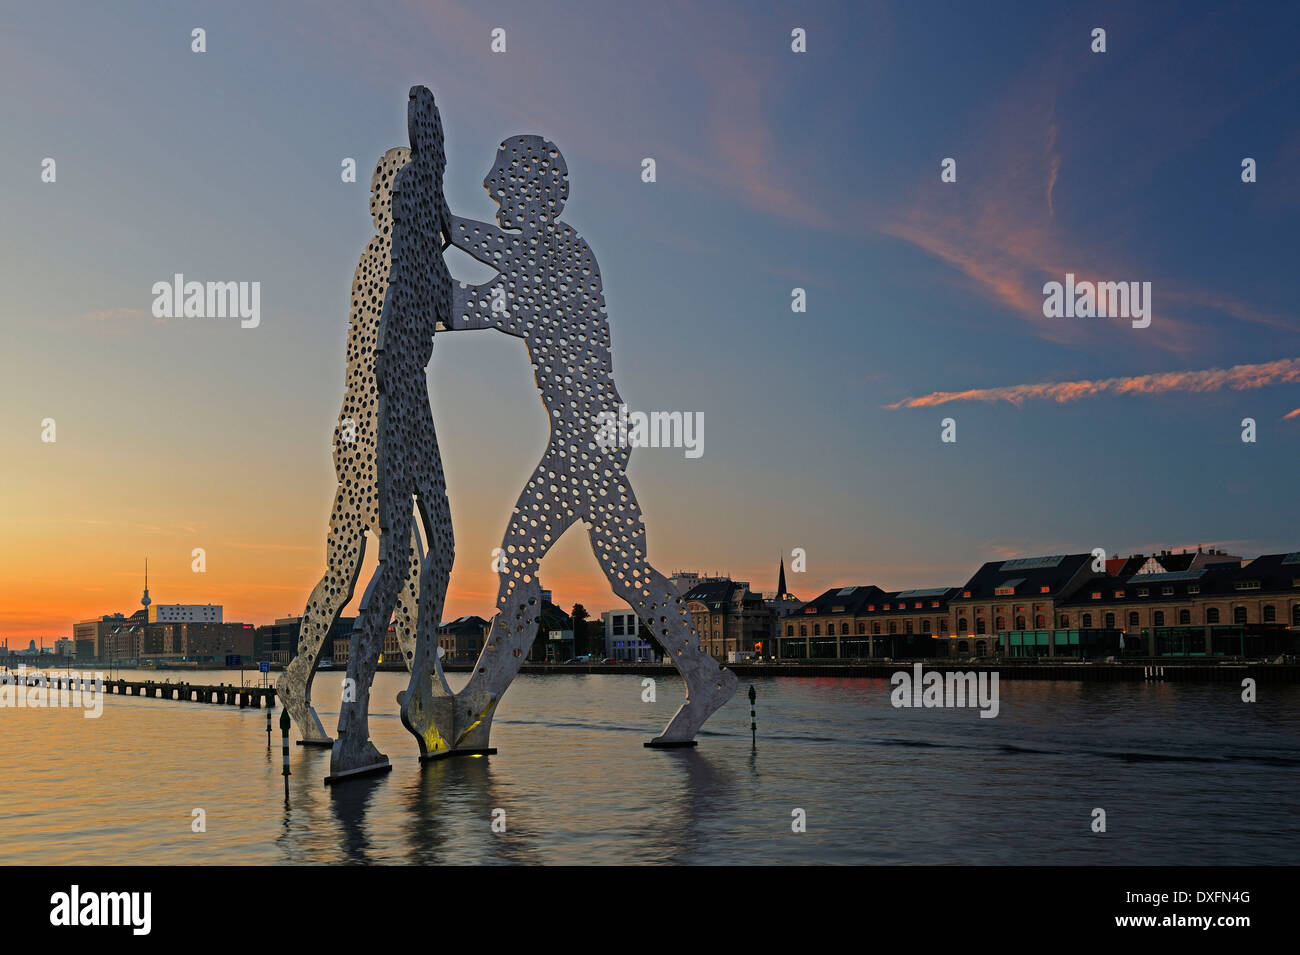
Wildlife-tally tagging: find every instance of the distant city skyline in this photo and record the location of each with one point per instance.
(776, 171)
(194, 611)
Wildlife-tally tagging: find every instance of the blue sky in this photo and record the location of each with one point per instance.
(774, 170)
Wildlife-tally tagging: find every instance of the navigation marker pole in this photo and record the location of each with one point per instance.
(284, 733)
(753, 725)
(270, 705)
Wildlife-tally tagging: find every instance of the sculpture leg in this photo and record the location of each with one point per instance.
(406, 615)
(618, 540)
(346, 548)
(354, 754)
(533, 529)
(427, 704)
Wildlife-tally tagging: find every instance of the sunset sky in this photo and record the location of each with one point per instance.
(775, 169)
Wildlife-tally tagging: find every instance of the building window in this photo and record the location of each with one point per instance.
(961, 626)
(1065, 622)
(893, 627)
(979, 624)
(1087, 621)
(1110, 621)
(1020, 623)
(1212, 615)
(803, 631)
(875, 628)
(844, 629)
(1040, 622)
(1133, 619)
(1238, 614)
(1269, 614)
(925, 626)
(789, 631)
(817, 630)
(1143, 592)
(1167, 590)
(862, 627)
(1158, 620)
(1295, 615)
(1247, 585)
(1184, 617)
(1096, 595)
(1193, 588)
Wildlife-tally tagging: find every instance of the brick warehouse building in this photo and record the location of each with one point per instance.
(1059, 606)
(727, 615)
(865, 623)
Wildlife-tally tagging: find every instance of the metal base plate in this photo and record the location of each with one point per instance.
(449, 753)
(372, 770)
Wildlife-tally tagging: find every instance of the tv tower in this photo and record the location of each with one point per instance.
(145, 601)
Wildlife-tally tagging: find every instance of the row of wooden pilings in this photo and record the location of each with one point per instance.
(255, 697)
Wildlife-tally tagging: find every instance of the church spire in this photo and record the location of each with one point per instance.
(780, 581)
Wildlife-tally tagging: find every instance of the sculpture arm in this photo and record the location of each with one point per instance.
(481, 240)
(475, 306)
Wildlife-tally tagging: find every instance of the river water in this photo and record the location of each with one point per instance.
(1186, 774)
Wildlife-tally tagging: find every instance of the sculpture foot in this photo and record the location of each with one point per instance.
(349, 762)
(703, 700)
(430, 718)
(290, 689)
(473, 713)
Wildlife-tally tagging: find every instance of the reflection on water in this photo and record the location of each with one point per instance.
(1186, 774)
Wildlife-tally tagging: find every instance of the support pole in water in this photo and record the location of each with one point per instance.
(284, 733)
(269, 707)
(753, 724)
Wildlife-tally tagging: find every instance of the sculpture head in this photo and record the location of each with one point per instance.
(529, 182)
(381, 187)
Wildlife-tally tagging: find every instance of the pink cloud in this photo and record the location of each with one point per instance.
(1236, 378)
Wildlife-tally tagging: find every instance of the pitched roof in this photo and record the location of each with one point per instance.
(1024, 576)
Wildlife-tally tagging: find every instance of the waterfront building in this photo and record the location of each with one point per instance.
(727, 615)
(1008, 599)
(89, 635)
(866, 622)
(1211, 603)
(185, 613)
(1218, 609)
(278, 642)
(462, 639)
(626, 637)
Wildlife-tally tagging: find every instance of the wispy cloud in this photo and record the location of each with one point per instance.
(1236, 378)
(1291, 414)
(1007, 231)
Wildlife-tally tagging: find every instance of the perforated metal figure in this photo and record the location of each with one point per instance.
(408, 466)
(356, 510)
(548, 292)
